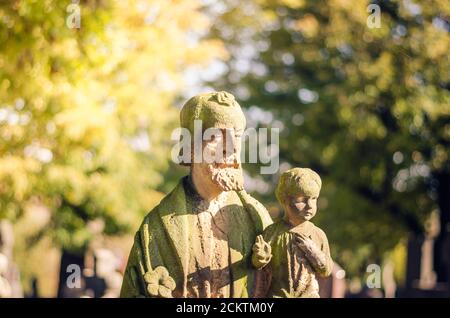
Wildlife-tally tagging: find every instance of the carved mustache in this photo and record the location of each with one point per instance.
(223, 165)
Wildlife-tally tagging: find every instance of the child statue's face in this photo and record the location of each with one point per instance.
(301, 208)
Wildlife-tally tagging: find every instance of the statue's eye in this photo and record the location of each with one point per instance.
(300, 200)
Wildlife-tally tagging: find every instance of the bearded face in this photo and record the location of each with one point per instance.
(221, 160)
(227, 177)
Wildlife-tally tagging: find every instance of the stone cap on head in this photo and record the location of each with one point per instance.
(215, 110)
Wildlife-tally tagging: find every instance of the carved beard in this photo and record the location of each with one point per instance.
(227, 177)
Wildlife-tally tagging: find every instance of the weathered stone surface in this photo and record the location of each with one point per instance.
(198, 241)
(292, 252)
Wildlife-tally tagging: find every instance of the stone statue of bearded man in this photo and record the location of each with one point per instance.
(198, 241)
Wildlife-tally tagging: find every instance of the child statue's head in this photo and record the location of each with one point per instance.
(297, 192)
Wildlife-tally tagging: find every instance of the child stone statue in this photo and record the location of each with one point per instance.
(293, 251)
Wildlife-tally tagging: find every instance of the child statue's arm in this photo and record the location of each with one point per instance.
(319, 258)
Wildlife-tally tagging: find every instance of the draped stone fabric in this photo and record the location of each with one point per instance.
(209, 266)
(206, 251)
(289, 273)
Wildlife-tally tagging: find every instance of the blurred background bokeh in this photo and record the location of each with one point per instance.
(87, 111)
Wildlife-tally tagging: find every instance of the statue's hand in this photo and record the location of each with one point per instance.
(159, 283)
(262, 252)
(305, 243)
(313, 253)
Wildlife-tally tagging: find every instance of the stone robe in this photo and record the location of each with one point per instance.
(207, 256)
(289, 273)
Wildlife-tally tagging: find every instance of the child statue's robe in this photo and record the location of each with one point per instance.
(289, 273)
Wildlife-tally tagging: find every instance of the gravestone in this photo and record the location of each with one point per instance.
(10, 285)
